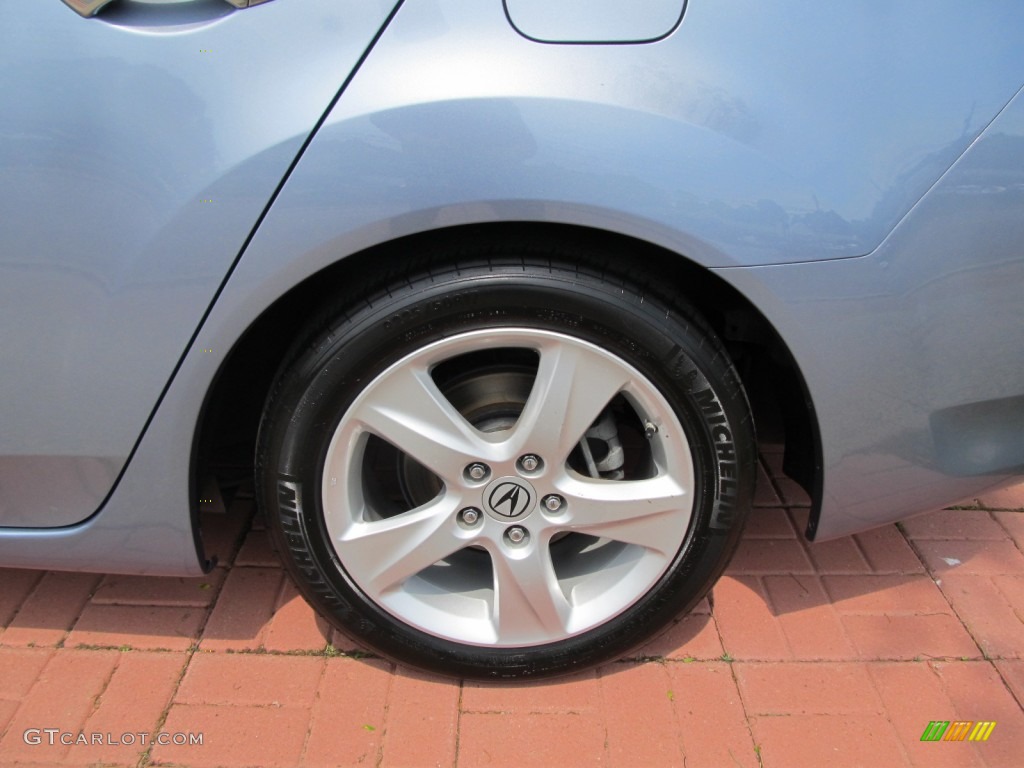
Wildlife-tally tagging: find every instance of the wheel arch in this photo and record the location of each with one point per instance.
(225, 433)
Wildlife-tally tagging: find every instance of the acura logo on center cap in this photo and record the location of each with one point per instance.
(509, 499)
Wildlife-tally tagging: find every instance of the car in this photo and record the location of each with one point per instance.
(495, 302)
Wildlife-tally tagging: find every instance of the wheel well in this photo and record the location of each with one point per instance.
(783, 412)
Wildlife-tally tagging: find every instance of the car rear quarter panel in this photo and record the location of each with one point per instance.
(914, 354)
(724, 144)
(755, 140)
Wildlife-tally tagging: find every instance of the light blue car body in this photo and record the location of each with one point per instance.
(855, 171)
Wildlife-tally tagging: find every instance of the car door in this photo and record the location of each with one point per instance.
(138, 150)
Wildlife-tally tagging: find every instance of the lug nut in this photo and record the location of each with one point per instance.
(516, 534)
(530, 462)
(470, 515)
(477, 471)
(553, 502)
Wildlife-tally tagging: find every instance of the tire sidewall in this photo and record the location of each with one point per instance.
(670, 348)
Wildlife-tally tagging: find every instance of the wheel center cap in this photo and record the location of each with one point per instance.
(509, 498)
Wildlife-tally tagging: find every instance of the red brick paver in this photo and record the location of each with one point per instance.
(838, 653)
(346, 724)
(50, 609)
(713, 724)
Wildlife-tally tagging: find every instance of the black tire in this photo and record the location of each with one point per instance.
(347, 364)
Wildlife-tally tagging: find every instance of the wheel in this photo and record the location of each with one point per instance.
(496, 469)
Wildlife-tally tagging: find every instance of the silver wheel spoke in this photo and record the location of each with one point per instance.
(409, 411)
(387, 552)
(572, 387)
(528, 602)
(648, 513)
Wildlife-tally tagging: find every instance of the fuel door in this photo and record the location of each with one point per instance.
(594, 21)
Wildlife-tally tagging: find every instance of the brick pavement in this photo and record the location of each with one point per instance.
(835, 654)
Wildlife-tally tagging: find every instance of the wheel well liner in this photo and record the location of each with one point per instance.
(225, 437)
